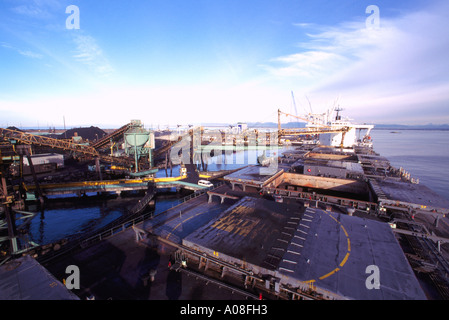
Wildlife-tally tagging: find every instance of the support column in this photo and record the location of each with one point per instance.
(98, 168)
(140, 234)
(249, 281)
(223, 272)
(38, 189)
(200, 265)
(437, 219)
(12, 232)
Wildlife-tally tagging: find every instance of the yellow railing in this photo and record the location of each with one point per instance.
(105, 182)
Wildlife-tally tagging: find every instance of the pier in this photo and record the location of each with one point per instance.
(295, 228)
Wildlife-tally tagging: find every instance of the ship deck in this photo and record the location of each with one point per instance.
(392, 191)
(25, 279)
(309, 247)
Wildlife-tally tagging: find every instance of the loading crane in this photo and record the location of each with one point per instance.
(318, 128)
(294, 104)
(297, 117)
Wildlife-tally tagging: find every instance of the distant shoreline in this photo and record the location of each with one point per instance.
(411, 128)
(443, 127)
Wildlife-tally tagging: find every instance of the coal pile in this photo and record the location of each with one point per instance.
(92, 133)
(14, 128)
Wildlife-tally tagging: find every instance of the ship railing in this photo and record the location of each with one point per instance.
(371, 207)
(149, 215)
(114, 229)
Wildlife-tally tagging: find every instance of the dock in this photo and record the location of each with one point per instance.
(321, 223)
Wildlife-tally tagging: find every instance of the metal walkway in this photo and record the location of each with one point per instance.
(113, 185)
(143, 203)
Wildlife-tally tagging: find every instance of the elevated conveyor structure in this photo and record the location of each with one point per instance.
(32, 139)
(113, 135)
(316, 129)
(28, 138)
(307, 131)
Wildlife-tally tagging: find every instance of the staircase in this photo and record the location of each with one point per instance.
(143, 203)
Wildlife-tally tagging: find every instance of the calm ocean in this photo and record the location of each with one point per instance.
(422, 153)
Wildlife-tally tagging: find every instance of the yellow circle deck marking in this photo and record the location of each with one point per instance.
(342, 263)
(168, 236)
(312, 281)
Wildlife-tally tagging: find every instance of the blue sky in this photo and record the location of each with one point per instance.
(181, 62)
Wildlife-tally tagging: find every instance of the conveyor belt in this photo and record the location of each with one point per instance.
(105, 140)
(28, 138)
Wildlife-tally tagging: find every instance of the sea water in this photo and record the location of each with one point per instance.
(422, 153)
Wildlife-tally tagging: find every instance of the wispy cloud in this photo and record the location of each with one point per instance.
(329, 51)
(32, 11)
(89, 53)
(312, 64)
(376, 71)
(26, 53)
(31, 54)
(37, 9)
(6, 45)
(47, 17)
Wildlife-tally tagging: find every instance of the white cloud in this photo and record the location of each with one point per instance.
(90, 54)
(26, 53)
(32, 11)
(37, 9)
(396, 70)
(312, 64)
(31, 54)
(6, 45)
